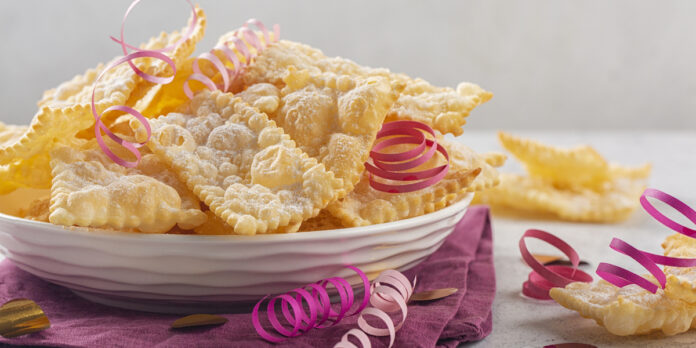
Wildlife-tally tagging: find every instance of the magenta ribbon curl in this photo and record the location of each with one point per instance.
(99, 126)
(395, 166)
(310, 307)
(543, 278)
(621, 276)
(233, 69)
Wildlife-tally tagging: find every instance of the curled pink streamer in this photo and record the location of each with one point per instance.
(240, 38)
(396, 166)
(389, 293)
(621, 276)
(310, 307)
(543, 278)
(99, 126)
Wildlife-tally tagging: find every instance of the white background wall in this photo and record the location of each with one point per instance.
(552, 64)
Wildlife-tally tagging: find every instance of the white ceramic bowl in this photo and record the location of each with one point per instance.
(187, 273)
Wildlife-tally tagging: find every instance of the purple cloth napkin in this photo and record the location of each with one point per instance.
(464, 261)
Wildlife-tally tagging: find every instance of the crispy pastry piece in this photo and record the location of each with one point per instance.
(31, 172)
(216, 226)
(321, 222)
(581, 165)
(90, 190)
(65, 110)
(332, 118)
(573, 184)
(630, 310)
(464, 158)
(444, 109)
(37, 210)
(681, 281)
(367, 206)
(615, 202)
(469, 172)
(9, 134)
(242, 165)
(568, 168)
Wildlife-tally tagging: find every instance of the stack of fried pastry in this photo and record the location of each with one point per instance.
(283, 151)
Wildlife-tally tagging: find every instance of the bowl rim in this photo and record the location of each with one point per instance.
(462, 204)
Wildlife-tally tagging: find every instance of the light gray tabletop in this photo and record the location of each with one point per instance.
(520, 322)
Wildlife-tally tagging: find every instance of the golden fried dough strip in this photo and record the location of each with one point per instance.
(614, 203)
(630, 310)
(332, 118)
(90, 190)
(241, 164)
(444, 109)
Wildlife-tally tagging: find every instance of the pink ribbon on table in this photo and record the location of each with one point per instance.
(232, 69)
(396, 166)
(621, 276)
(99, 126)
(543, 278)
(388, 293)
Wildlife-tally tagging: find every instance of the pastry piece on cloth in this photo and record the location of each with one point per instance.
(468, 172)
(241, 165)
(464, 261)
(90, 190)
(630, 310)
(444, 109)
(66, 110)
(681, 281)
(333, 118)
(614, 203)
(573, 184)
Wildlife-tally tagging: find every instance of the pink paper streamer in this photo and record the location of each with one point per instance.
(395, 166)
(318, 312)
(310, 307)
(543, 278)
(99, 126)
(389, 293)
(233, 68)
(621, 276)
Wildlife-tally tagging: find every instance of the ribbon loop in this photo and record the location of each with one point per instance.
(230, 70)
(543, 278)
(158, 54)
(397, 166)
(620, 276)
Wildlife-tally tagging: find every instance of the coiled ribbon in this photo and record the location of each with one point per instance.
(99, 126)
(396, 166)
(233, 68)
(388, 293)
(543, 278)
(621, 276)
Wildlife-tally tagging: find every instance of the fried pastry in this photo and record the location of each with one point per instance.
(332, 118)
(241, 165)
(630, 310)
(90, 190)
(66, 110)
(444, 109)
